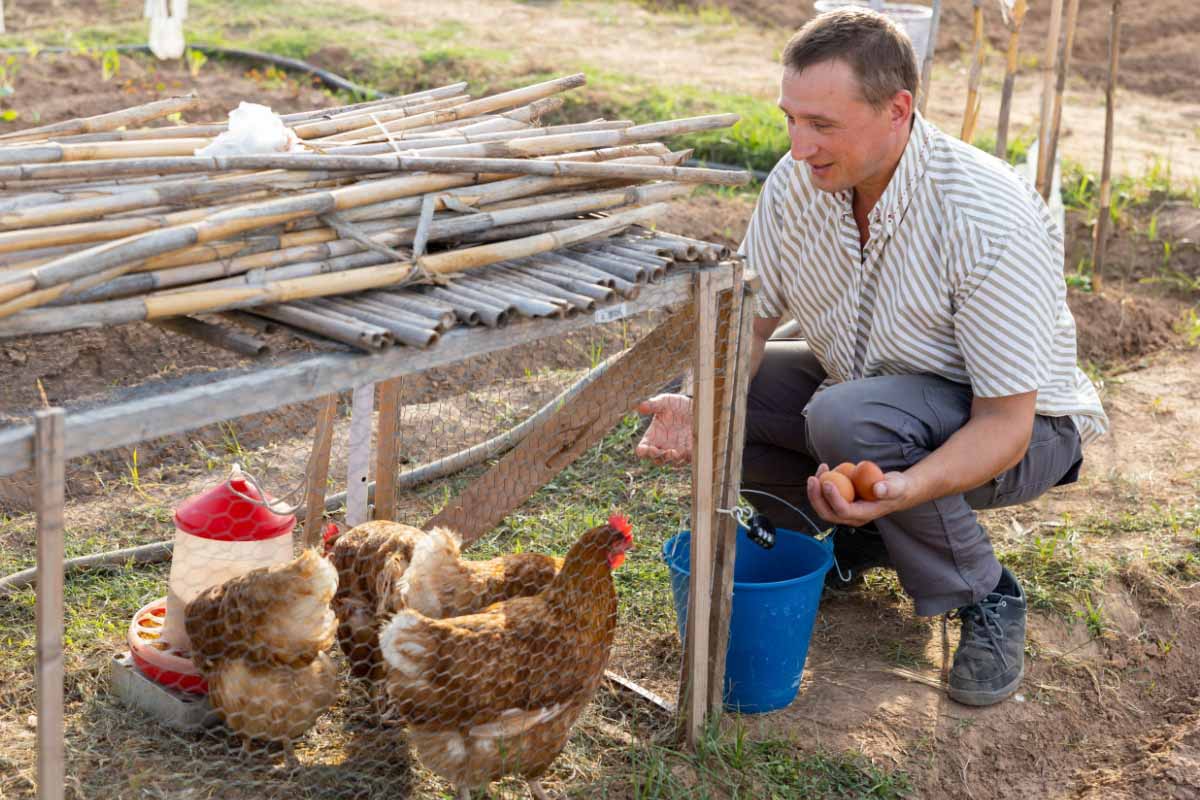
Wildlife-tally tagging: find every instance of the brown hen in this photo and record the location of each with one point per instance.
(496, 692)
(259, 639)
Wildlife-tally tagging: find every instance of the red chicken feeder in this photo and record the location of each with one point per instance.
(156, 658)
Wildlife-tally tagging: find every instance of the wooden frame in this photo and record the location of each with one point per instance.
(700, 297)
(51, 499)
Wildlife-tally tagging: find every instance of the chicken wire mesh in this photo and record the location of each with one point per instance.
(318, 673)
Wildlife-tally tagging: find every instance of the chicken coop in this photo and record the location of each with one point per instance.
(143, 465)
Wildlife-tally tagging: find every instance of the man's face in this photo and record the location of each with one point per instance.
(842, 139)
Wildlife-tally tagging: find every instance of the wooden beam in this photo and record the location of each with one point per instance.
(693, 684)
(729, 483)
(358, 460)
(318, 472)
(51, 497)
(224, 396)
(565, 435)
(387, 450)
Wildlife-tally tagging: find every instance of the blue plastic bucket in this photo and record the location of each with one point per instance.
(775, 597)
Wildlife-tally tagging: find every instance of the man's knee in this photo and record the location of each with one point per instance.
(874, 418)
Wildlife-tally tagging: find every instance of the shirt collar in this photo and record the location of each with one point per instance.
(900, 190)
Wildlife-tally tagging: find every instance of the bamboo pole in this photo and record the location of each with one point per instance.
(116, 312)
(215, 335)
(1100, 235)
(974, 99)
(324, 128)
(1064, 66)
(50, 466)
(1013, 18)
(927, 66)
(124, 118)
(484, 105)
(1049, 62)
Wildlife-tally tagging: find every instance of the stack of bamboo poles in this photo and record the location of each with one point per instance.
(103, 222)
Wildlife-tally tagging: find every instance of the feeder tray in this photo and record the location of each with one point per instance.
(156, 658)
(172, 708)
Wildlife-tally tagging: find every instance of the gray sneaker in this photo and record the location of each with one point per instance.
(990, 660)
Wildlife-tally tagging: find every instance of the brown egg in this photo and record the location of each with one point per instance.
(865, 476)
(846, 468)
(841, 483)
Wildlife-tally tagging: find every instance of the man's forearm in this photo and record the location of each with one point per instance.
(979, 451)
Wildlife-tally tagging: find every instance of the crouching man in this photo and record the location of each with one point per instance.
(926, 280)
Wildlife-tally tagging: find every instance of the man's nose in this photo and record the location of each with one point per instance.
(803, 147)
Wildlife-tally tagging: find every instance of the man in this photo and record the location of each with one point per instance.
(926, 280)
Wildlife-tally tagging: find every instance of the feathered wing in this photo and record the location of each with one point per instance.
(370, 559)
(276, 614)
(439, 583)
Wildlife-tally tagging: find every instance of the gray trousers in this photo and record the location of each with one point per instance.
(940, 551)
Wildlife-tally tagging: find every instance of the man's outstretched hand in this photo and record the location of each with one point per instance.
(668, 440)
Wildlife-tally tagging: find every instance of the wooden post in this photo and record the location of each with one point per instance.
(50, 464)
(1013, 19)
(1064, 65)
(318, 472)
(974, 100)
(927, 66)
(359, 458)
(741, 331)
(387, 455)
(1110, 102)
(1044, 169)
(693, 690)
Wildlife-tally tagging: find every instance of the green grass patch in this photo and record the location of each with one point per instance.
(736, 767)
(1052, 568)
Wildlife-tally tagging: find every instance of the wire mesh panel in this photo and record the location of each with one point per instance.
(459, 640)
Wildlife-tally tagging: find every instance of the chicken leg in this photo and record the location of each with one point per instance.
(464, 793)
(535, 789)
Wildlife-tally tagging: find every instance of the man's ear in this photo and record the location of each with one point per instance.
(901, 109)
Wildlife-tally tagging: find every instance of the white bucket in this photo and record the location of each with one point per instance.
(915, 20)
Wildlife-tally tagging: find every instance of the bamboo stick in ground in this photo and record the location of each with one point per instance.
(1013, 17)
(1064, 66)
(1049, 60)
(927, 66)
(124, 118)
(1100, 235)
(974, 100)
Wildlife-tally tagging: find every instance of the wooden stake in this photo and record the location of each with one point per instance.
(387, 450)
(50, 463)
(1064, 65)
(693, 685)
(1110, 103)
(974, 100)
(1013, 20)
(1049, 60)
(359, 459)
(927, 66)
(318, 472)
(732, 415)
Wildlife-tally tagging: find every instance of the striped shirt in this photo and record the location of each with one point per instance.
(962, 277)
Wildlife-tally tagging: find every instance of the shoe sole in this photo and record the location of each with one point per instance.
(981, 697)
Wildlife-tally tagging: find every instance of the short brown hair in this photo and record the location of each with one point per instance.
(876, 49)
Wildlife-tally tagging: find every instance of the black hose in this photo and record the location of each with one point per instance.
(330, 79)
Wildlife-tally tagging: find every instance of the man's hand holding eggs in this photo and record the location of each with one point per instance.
(855, 481)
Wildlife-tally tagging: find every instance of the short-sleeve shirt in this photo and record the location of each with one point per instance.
(962, 277)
